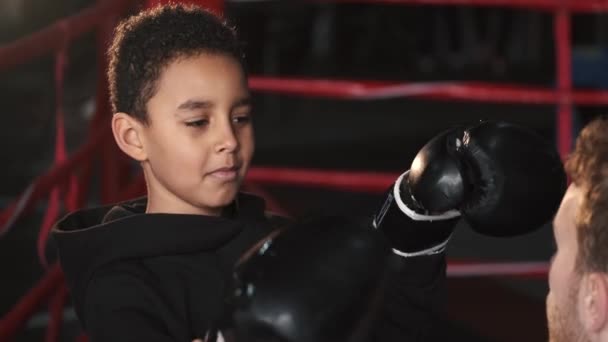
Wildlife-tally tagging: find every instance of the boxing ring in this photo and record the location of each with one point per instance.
(66, 183)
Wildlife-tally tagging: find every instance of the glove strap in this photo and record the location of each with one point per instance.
(394, 198)
(450, 214)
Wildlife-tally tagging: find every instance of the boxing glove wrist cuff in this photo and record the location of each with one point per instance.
(450, 214)
(410, 232)
(429, 251)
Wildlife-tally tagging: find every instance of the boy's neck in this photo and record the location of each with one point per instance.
(154, 207)
(162, 201)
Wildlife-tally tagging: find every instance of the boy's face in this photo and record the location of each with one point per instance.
(199, 140)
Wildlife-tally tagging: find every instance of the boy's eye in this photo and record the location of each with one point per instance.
(241, 119)
(197, 123)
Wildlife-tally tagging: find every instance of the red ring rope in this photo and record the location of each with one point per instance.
(54, 36)
(563, 55)
(464, 91)
(57, 175)
(56, 305)
(337, 180)
(503, 269)
(16, 318)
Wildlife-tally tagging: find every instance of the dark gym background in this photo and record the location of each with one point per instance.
(323, 40)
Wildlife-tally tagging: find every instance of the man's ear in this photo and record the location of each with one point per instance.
(594, 289)
(128, 133)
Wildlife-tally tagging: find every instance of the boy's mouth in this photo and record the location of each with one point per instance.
(226, 173)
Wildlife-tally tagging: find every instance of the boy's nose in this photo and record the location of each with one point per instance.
(227, 141)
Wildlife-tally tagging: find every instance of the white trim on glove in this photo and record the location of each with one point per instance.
(429, 251)
(450, 214)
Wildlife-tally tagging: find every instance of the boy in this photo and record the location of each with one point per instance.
(156, 268)
(159, 268)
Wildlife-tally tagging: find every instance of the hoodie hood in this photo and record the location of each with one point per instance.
(90, 238)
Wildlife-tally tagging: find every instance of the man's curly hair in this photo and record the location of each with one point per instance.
(588, 167)
(146, 43)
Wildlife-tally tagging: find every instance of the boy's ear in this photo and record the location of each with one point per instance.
(128, 135)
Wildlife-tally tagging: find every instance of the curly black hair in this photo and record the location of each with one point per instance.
(144, 44)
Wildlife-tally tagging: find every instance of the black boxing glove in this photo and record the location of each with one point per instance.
(317, 281)
(504, 179)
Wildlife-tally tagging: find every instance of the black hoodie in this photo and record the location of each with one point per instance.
(154, 277)
(163, 277)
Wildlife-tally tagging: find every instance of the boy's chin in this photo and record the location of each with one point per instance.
(224, 198)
